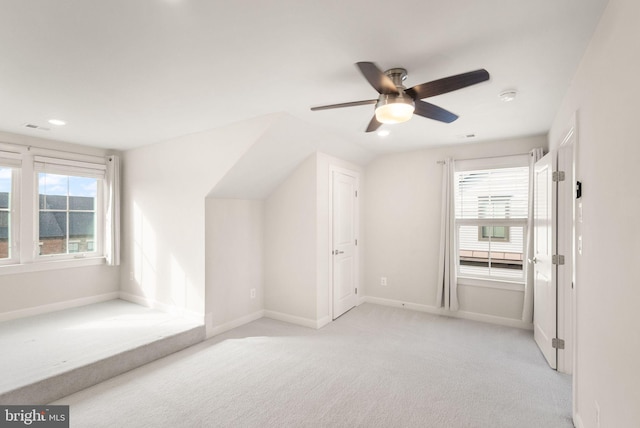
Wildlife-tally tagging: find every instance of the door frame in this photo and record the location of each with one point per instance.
(332, 169)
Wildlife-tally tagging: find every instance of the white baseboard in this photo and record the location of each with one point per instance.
(407, 305)
(218, 329)
(59, 306)
(162, 307)
(509, 322)
(292, 319)
(323, 321)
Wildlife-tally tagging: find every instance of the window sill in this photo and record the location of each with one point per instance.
(51, 265)
(491, 283)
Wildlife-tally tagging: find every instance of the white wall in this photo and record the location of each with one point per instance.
(28, 293)
(163, 219)
(234, 259)
(402, 227)
(290, 244)
(605, 95)
(279, 246)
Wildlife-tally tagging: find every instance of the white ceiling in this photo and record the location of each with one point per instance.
(126, 73)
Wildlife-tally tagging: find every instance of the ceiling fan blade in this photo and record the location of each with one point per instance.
(350, 104)
(380, 81)
(434, 112)
(373, 125)
(447, 84)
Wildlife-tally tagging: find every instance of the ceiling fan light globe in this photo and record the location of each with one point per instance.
(396, 112)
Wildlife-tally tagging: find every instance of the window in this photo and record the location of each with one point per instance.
(488, 206)
(6, 187)
(61, 208)
(491, 208)
(69, 198)
(9, 203)
(67, 213)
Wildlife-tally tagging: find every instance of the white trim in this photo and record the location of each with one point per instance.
(51, 265)
(163, 307)
(219, 329)
(53, 307)
(292, 319)
(491, 283)
(323, 321)
(492, 319)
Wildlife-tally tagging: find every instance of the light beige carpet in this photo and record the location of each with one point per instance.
(373, 367)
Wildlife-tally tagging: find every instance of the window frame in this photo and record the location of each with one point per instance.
(491, 222)
(69, 168)
(488, 280)
(14, 214)
(25, 209)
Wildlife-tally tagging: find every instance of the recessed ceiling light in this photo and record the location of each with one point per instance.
(383, 133)
(57, 122)
(508, 95)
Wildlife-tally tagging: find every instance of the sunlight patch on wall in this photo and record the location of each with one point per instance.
(144, 254)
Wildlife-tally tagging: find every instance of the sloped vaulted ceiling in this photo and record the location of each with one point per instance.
(276, 153)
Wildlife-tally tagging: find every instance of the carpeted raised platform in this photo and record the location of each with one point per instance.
(49, 356)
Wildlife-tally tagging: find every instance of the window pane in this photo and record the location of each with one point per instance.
(53, 232)
(489, 257)
(82, 203)
(67, 213)
(6, 175)
(82, 229)
(4, 234)
(5, 186)
(83, 186)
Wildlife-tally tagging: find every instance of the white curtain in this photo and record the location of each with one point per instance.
(112, 211)
(447, 279)
(527, 310)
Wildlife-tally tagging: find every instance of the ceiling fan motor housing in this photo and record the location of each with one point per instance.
(397, 75)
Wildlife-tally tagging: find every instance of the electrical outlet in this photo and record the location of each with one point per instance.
(597, 415)
(383, 281)
(253, 293)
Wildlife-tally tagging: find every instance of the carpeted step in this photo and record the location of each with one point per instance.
(74, 379)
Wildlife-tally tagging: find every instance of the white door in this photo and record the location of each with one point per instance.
(344, 235)
(544, 272)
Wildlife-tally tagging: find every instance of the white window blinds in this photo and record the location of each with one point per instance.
(492, 193)
(11, 160)
(69, 167)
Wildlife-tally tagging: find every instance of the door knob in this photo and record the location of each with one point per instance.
(533, 260)
(336, 252)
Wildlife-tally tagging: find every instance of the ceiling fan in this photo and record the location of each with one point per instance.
(397, 104)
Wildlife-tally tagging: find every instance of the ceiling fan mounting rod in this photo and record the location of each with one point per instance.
(397, 75)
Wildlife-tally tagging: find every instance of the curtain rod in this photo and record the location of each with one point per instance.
(441, 162)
